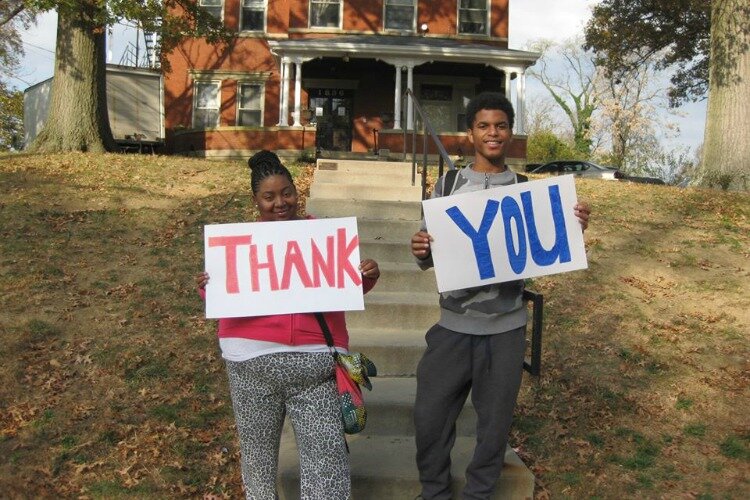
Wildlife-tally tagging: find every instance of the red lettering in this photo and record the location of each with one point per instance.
(320, 265)
(230, 244)
(343, 253)
(293, 260)
(256, 266)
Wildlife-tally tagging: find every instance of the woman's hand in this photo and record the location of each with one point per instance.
(369, 269)
(201, 279)
(582, 211)
(420, 245)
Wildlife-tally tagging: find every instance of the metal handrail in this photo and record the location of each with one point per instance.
(427, 131)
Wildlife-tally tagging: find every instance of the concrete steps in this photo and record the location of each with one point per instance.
(372, 209)
(383, 468)
(401, 276)
(363, 191)
(391, 330)
(397, 351)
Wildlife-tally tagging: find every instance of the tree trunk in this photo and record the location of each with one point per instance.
(726, 148)
(77, 119)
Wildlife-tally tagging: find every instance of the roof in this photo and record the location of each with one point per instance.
(416, 49)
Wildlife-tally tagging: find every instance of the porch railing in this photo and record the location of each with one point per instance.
(428, 132)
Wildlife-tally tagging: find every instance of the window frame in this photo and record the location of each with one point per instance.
(488, 12)
(412, 29)
(242, 17)
(262, 101)
(221, 7)
(218, 85)
(310, 14)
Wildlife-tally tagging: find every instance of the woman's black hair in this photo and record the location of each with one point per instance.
(264, 164)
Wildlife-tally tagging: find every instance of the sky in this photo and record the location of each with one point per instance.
(529, 20)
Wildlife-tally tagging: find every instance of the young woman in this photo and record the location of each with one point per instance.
(280, 365)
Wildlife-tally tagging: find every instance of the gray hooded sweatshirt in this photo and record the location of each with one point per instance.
(487, 309)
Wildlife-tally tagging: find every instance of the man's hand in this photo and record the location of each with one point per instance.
(582, 212)
(420, 245)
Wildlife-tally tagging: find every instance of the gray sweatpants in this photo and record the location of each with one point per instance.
(266, 388)
(454, 363)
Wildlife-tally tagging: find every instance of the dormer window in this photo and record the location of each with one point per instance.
(400, 15)
(253, 15)
(325, 13)
(473, 17)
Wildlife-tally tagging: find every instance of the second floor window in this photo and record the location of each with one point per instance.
(472, 17)
(213, 7)
(399, 15)
(250, 105)
(253, 15)
(325, 13)
(206, 105)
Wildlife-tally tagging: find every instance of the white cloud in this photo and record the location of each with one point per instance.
(554, 20)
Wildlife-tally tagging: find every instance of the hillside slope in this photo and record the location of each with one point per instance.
(112, 384)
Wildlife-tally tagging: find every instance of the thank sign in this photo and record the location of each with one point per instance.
(505, 233)
(264, 268)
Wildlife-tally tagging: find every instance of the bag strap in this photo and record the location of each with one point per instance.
(327, 334)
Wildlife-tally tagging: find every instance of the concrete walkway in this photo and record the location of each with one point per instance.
(390, 331)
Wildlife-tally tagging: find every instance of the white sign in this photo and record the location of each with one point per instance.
(265, 268)
(505, 233)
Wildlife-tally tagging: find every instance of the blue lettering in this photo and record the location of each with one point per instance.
(478, 238)
(512, 212)
(561, 248)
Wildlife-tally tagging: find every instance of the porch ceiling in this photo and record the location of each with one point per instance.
(391, 48)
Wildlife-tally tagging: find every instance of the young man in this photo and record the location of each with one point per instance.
(479, 342)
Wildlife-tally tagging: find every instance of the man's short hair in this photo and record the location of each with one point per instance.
(489, 100)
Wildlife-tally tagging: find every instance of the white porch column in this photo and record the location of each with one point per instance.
(520, 102)
(397, 100)
(410, 102)
(284, 120)
(282, 71)
(297, 93)
(507, 72)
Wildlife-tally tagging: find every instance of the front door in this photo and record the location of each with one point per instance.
(332, 115)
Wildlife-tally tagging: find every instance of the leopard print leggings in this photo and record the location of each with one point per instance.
(263, 390)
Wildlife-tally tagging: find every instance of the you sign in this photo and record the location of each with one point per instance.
(504, 234)
(264, 268)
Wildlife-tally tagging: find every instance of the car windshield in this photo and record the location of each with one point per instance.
(599, 167)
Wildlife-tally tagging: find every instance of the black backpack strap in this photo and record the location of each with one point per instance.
(449, 180)
(521, 178)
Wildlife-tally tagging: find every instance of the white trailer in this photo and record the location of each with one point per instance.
(135, 103)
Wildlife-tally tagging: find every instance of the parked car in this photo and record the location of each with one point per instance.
(579, 168)
(531, 166)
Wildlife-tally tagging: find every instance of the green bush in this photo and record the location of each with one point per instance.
(545, 146)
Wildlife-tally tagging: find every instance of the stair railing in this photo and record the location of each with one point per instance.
(428, 131)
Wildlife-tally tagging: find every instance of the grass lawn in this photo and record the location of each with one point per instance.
(112, 385)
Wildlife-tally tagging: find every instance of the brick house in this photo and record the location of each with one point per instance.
(330, 75)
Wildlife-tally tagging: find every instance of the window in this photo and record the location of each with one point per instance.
(472, 17)
(325, 13)
(213, 7)
(206, 105)
(253, 15)
(437, 103)
(250, 105)
(400, 15)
